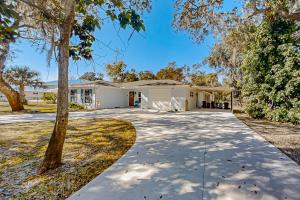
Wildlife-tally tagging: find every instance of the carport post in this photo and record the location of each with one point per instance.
(231, 101)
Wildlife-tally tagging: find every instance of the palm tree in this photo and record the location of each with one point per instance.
(22, 76)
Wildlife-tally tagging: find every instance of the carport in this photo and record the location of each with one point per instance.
(214, 97)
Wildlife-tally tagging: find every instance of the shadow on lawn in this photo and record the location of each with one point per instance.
(88, 150)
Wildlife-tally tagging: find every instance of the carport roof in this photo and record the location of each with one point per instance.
(213, 89)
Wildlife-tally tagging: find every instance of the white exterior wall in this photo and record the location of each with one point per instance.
(179, 98)
(164, 98)
(110, 97)
(192, 100)
(145, 98)
(201, 98)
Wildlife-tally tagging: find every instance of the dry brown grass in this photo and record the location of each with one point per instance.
(91, 146)
(284, 136)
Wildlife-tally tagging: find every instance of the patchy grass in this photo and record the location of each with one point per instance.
(33, 107)
(91, 146)
(284, 136)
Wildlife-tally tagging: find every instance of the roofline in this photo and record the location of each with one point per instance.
(213, 89)
(135, 85)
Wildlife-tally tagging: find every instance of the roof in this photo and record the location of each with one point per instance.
(129, 84)
(213, 89)
(147, 83)
(99, 82)
(150, 83)
(79, 81)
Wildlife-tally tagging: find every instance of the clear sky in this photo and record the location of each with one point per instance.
(149, 50)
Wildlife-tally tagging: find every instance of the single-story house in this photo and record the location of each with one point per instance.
(164, 95)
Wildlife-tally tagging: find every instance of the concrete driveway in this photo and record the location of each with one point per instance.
(193, 155)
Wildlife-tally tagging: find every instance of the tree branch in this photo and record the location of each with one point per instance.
(43, 10)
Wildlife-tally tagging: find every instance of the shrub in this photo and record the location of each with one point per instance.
(76, 106)
(294, 116)
(277, 114)
(49, 97)
(255, 110)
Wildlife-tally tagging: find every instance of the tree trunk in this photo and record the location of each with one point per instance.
(22, 94)
(53, 156)
(12, 96)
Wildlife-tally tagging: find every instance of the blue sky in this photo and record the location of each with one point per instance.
(149, 50)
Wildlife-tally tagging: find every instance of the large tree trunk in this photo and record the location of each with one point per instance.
(22, 95)
(53, 156)
(12, 96)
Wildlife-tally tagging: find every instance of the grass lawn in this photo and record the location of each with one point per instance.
(32, 107)
(91, 146)
(284, 136)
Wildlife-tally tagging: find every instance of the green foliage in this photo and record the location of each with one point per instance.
(116, 71)
(146, 75)
(255, 110)
(76, 106)
(91, 76)
(23, 76)
(84, 32)
(172, 72)
(49, 97)
(201, 79)
(85, 26)
(272, 70)
(131, 76)
(201, 18)
(8, 15)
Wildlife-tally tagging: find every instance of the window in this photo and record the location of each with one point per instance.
(73, 96)
(140, 97)
(86, 95)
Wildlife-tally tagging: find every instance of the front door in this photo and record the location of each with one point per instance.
(131, 98)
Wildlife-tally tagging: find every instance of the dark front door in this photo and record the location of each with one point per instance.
(131, 98)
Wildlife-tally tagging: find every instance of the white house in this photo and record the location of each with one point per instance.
(164, 95)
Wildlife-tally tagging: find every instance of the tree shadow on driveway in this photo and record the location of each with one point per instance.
(196, 155)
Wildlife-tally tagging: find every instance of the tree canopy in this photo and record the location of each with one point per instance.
(23, 76)
(203, 17)
(202, 79)
(116, 71)
(172, 72)
(146, 75)
(91, 76)
(272, 69)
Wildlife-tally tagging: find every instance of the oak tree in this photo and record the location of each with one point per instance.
(66, 19)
